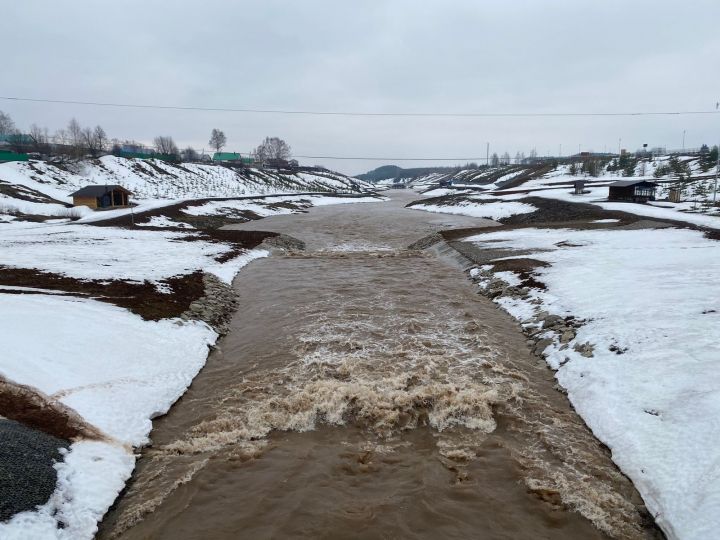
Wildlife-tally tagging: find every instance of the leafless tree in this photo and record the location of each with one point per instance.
(60, 137)
(189, 154)
(18, 142)
(272, 148)
(40, 139)
(7, 126)
(76, 138)
(95, 140)
(217, 140)
(506, 159)
(101, 139)
(164, 144)
(495, 160)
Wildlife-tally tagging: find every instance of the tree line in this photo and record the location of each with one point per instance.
(76, 142)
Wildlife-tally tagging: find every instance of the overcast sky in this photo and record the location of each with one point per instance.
(452, 56)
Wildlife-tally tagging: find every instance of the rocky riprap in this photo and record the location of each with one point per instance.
(564, 329)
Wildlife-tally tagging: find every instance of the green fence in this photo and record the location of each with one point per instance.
(6, 155)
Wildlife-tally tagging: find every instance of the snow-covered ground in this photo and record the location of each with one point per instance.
(478, 206)
(269, 207)
(112, 367)
(649, 302)
(598, 196)
(115, 369)
(86, 252)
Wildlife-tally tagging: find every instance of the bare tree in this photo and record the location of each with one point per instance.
(272, 148)
(495, 160)
(189, 154)
(164, 144)
(101, 139)
(76, 139)
(7, 126)
(17, 141)
(60, 137)
(506, 159)
(95, 140)
(40, 139)
(217, 140)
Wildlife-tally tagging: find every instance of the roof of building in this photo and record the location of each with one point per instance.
(98, 191)
(628, 183)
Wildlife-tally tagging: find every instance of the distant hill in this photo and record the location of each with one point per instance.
(387, 172)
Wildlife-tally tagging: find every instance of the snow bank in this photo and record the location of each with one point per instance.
(115, 369)
(321, 200)
(650, 301)
(481, 209)
(86, 252)
(268, 207)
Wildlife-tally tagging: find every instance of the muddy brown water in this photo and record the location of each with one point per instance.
(367, 391)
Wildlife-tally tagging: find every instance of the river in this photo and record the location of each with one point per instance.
(366, 390)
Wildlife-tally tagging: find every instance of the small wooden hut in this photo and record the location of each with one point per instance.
(95, 197)
(639, 191)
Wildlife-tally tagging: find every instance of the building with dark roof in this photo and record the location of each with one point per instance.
(639, 191)
(112, 196)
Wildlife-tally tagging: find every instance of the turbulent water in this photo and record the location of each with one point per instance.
(366, 391)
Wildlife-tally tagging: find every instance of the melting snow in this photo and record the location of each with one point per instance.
(654, 296)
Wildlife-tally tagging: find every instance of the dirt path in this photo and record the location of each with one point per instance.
(367, 391)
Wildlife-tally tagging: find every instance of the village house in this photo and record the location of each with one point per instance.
(639, 191)
(112, 196)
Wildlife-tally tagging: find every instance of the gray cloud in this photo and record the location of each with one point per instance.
(408, 56)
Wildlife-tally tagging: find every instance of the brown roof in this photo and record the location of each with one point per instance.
(98, 191)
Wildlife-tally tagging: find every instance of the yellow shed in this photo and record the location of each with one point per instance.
(102, 197)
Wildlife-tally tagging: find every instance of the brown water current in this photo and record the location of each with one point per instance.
(367, 391)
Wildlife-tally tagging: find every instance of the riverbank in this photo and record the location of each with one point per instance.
(623, 309)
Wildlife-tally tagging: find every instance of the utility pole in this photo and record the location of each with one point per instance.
(717, 170)
(560, 155)
(619, 146)
(717, 166)
(683, 141)
(487, 155)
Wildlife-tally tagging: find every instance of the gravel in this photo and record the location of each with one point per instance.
(27, 475)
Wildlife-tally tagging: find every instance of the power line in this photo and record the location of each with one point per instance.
(361, 114)
(391, 158)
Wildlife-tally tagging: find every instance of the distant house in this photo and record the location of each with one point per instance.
(277, 163)
(579, 187)
(233, 158)
(95, 197)
(632, 191)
